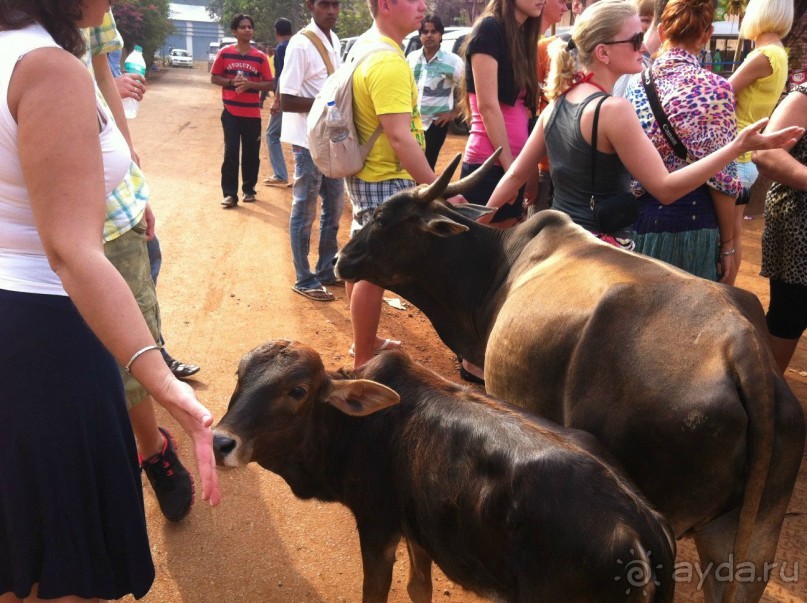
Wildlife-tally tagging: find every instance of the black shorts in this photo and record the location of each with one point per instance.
(480, 194)
(787, 313)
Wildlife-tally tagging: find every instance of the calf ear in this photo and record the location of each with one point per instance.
(360, 397)
(444, 227)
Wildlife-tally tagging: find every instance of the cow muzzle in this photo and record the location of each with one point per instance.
(228, 449)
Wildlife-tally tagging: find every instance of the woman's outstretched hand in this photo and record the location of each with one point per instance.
(751, 138)
(180, 400)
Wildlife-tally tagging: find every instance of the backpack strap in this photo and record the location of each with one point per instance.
(320, 48)
(353, 61)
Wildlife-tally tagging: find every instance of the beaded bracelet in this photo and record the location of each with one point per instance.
(729, 252)
(137, 355)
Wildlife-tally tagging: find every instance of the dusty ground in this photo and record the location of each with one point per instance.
(225, 287)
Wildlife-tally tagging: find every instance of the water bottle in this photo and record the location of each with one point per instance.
(134, 64)
(335, 123)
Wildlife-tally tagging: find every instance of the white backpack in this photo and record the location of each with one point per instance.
(346, 157)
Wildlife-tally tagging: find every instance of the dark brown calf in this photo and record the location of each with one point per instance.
(506, 504)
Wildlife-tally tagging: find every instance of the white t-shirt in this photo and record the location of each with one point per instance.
(24, 265)
(304, 74)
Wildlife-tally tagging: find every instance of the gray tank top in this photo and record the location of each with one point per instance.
(570, 164)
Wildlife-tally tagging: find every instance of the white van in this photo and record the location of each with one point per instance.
(214, 48)
(212, 51)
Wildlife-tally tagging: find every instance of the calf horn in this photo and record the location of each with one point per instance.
(459, 187)
(436, 188)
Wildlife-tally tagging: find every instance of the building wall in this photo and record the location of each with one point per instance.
(193, 36)
(194, 29)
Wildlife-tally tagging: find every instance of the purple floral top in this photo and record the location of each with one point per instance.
(700, 106)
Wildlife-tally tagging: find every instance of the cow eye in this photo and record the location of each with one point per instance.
(297, 392)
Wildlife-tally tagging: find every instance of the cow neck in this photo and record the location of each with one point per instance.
(459, 297)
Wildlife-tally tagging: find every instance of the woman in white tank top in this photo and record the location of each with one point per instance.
(68, 463)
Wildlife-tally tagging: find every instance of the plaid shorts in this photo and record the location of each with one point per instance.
(366, 196)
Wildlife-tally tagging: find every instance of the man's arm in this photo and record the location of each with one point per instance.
(397, 128)
(220, 80)
(295, 104)
(108, 88)
(243, 85)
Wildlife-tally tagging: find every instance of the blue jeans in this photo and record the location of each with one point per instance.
(155, 257)
(275, 148)
(308, 184)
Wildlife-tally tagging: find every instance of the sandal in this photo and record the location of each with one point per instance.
(229, 202)
(386, 344)
(334, 282)
(470, 377)
(249, 198)
(315, 294)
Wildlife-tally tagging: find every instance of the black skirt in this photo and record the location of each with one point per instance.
(71, 501)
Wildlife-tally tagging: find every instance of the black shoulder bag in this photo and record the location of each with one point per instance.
(611, 212)
(661, 117)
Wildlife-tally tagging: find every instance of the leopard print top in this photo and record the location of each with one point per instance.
(784, 240)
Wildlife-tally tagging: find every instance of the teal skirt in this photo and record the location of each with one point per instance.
(683, 234)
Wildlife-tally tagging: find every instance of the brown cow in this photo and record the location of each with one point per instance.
(508, 505)
(671, 373)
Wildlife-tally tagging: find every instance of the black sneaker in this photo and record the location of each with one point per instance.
(181, 370)
(172, 483)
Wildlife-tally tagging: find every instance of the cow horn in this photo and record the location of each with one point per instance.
(459, 187)
(435, 189)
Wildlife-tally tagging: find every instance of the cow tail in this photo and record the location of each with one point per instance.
(646, 590)
(757, 393)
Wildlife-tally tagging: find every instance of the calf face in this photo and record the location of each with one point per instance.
(275, 401)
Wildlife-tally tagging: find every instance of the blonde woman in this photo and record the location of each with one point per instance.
(758, 83)
(606, 43)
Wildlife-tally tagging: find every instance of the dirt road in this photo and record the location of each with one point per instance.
(225, 287)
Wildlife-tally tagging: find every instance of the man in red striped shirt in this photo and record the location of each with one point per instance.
(242, 72)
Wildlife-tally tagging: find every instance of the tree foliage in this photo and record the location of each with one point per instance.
(354, 15)
(264, 14)
(145, 23)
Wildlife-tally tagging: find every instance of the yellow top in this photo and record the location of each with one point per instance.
(758, 99)
(383, 85)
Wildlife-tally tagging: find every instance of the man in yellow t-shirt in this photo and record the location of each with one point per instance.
(384, 93)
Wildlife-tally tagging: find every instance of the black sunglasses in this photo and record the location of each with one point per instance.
(637, 40)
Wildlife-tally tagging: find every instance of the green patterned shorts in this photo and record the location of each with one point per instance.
(128, 253)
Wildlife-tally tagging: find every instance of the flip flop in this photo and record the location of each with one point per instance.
(470, 377)
(385, 345)
(315, 294)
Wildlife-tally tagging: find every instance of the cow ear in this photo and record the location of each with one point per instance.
(444, 227)
(472, 210)
(360, 397)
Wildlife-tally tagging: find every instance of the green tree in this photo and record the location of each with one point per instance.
(354, 18)
(145, 23)
(263, 13)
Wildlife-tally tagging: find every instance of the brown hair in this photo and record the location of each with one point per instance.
(686, 21)
(647, 8)
(522, 40)
(58, 17)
